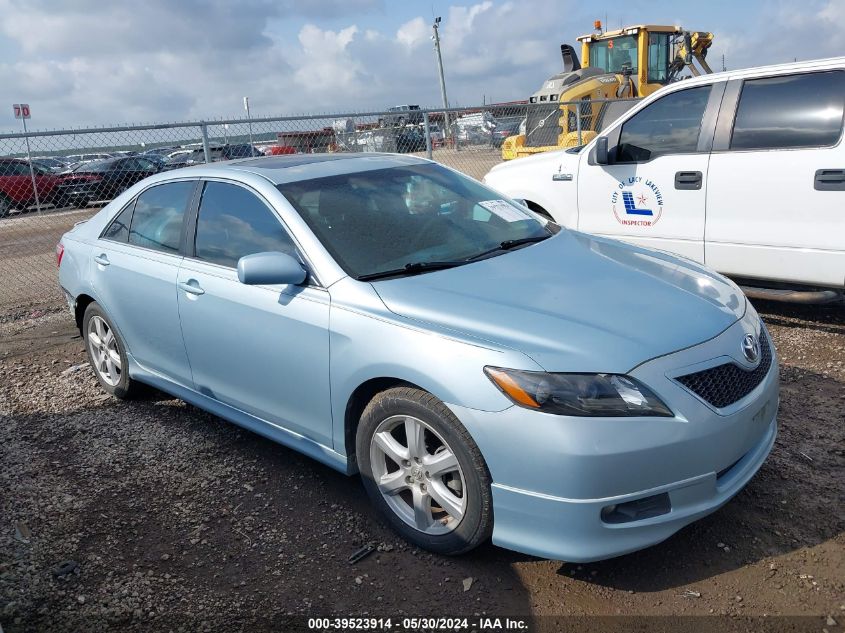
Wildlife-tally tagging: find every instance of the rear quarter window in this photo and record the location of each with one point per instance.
(804, 110)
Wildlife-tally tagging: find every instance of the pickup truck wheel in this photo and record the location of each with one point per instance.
(424, 472)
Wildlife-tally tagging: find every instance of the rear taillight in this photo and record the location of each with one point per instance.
(60, 252)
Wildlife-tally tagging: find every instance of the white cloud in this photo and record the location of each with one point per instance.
(87, 62)
(413, 33)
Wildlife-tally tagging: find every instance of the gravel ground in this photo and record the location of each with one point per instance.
(176, 520)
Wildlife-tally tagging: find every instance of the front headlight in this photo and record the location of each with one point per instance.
(591, 395)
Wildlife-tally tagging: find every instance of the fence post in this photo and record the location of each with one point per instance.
(31, 168)
(578, 122)
(205, 148)
(427, 136)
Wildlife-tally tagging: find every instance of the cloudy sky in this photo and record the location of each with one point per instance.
(84, 62)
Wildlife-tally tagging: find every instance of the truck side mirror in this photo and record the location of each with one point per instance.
(601, 151)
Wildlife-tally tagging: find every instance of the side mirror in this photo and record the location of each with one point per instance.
(270, 268)
(601, 151)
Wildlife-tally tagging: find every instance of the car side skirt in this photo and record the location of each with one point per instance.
(315, 450)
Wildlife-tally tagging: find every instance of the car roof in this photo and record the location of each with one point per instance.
(293, 167)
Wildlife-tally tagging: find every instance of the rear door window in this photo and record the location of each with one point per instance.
(159, 212)
(234, 222)
(670, 125)
(803, 110)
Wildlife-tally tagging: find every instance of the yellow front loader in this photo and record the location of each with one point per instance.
(623, 65)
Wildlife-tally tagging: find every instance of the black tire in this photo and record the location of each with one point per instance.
(61, 201)
(476, 524)
(6, 206)
(125, 386)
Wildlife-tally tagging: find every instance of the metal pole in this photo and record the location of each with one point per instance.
(578, 122)
(206, 150)
(248, 120)
(436, 38)
(427, 136)
(31, 169)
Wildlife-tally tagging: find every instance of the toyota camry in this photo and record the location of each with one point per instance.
(488, 373)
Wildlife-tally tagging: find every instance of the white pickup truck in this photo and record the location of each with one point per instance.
(743, 171)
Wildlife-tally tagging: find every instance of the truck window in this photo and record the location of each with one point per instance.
(790, 111)
(670, 125)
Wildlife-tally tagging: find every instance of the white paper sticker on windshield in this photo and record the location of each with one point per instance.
(504, 210)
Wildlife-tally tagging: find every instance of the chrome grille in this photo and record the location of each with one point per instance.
(726, 384)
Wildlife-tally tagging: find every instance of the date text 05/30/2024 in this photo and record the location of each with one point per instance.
(417, 624)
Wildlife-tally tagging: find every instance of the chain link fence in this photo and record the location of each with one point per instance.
(68, 175)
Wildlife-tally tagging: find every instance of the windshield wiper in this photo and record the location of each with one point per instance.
(415, 268)
(507, 245)
(412, 268)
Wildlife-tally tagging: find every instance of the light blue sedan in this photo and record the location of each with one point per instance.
(487, 372)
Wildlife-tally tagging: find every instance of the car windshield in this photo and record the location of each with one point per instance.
(410, 218)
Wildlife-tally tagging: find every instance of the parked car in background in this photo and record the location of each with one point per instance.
(436, 134)
(186, 159)
(401, 116)
(159, 151)
(229, 152)
(16, 191)
(159, 160)
(74, 159)
(124, 153)
(410, 139)
(103, 180)
(486, 371)
(49, 163)
(503, 130)
(743, 171)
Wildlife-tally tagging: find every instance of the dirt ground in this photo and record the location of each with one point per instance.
(178, 520)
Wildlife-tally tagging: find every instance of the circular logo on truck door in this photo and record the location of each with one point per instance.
(637, 201)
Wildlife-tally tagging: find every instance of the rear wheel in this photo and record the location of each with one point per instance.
(424, 472)
(106, 353)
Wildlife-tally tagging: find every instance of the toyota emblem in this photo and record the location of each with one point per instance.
(751, 348)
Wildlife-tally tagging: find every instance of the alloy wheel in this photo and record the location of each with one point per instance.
(418, 474)
(102, 346)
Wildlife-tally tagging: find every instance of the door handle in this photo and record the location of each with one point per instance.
(558, 177)
(192, 287)
(102, 260)
(688, 180)
(829, 180)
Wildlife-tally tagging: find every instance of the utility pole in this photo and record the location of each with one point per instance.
(249, 123)
(436, 38)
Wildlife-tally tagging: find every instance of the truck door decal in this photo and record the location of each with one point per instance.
(641, 202)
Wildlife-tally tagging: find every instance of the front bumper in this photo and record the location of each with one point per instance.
(557, 479)
(573, 530)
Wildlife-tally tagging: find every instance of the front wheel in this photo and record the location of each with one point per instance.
(424, 472)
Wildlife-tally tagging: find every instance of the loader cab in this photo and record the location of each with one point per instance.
(643, 51)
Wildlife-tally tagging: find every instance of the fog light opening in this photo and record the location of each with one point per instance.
(644, 508)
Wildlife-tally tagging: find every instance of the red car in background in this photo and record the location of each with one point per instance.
(16, 190)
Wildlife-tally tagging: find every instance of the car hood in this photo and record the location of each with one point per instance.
(574, 302)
